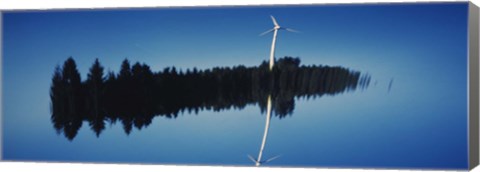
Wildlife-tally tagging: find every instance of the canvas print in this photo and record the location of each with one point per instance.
(342, 86)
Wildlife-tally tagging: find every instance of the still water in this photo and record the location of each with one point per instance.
(377, 87)
(292, 116)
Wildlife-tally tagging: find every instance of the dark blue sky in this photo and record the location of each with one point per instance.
(422, 46)
(206, 37)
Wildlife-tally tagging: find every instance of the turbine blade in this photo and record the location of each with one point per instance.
(251, 158)
(271, 159)
(292, 30)
(274, 21)
(268, 31)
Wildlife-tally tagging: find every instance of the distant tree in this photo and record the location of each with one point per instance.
(147, 73)
(136, 69)
(56, 89)
(73, 89)
(125, 71)
(95, 89)
(95, 78)
(195, 71)
(111, 92)
(166, 70)
(56, 81)
(57, 96)
(70, 73)
(95, 81)
(127, 124)
(111, 76)
(174, 71)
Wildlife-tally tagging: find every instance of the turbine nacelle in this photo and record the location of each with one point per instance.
(276, 27)
(258, 162)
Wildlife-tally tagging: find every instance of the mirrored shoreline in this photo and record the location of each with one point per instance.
(136, 95)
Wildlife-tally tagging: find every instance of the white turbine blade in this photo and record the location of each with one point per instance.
(268, 31)
(251, 158)
(291, 30)
(271, 159)
(274, 21)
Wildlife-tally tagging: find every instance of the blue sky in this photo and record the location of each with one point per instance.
(226, 36)
(423, 47)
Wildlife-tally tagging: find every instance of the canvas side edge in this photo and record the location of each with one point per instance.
(473, 91)
(1, 85)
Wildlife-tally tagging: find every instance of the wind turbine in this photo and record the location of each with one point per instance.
(275, 29)
(259, 161)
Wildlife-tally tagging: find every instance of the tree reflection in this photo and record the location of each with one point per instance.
(136, 95)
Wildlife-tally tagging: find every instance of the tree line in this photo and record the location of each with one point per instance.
(135, 95)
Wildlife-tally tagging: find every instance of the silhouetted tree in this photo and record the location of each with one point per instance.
(57, 96)
(72, 81)
(95, 90)
(125, 72)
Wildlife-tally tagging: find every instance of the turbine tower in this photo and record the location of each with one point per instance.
(275, 29)
(259, 161)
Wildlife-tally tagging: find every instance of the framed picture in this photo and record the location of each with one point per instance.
(347, 86)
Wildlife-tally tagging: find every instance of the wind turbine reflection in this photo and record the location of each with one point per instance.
(259, 161)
